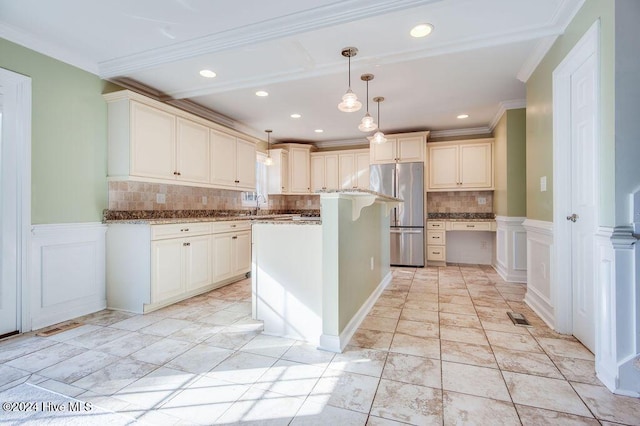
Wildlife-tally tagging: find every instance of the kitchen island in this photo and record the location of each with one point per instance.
(316, 280)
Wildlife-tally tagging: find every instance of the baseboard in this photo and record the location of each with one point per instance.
(337, 343)
(540, 306)
(67, 272)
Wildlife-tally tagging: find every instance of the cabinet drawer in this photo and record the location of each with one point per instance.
(231, 226)
(176, 230)
(470, 226)
(436, 237)
(436, 253)
(435, 224)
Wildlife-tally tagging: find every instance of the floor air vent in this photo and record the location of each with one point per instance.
(518, 319)
(58, 329)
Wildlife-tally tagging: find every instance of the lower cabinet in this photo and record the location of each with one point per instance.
(183, 260)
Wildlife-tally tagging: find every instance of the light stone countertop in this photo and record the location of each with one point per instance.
(288, 218)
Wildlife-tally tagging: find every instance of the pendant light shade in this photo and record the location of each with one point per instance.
(378, 137)
(367, 124)
(350, 102)
(268, 161)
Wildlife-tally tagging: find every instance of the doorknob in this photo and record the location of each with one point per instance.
(573, 217)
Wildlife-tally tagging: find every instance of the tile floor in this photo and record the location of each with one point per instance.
(437, 348)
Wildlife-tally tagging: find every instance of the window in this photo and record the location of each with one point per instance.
(249, 199)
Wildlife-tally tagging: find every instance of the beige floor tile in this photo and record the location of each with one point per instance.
(345, 390)
(526, 362)
(353, 359)
(577, 370)
(10, 374)
(607, 406)
(313, 414)
(390, 301)
(262, 407)
(97, 337)
(413, 369)
(114, 377)
(379, 323)
(197, 333)
(518, 342)
(128, 344)
(505, 326)
(379, 421)
(266, 345)
(419, 346)
(465, 353)
(465, 335)
(416, 303)
(232, 337)
(419, 329)
(199, 359)
(565, 348)
(546, 332)
(242, 367)
(162, 351)
(459, 320)
(44, 358)
(372, 339)
(490, 302)
(531, 416)
(290, 378)
(419, 315)
(308, 354)
(462, 409)
(457, 309)
(543, 392)
(456, 300)
(222, 317)
(72, 369)
(407, 403)
(105, 317)
(137, 322)
(474, 380)
(155, 388)
(17, 347)
(386, 312)
(165, 327)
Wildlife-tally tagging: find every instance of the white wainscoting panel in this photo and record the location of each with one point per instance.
(539, 269)
(511, 249)
(67, 272)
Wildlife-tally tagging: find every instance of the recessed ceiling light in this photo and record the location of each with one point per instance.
(421, 30)
(295, 116)
(462, 116)
(318, 130)
(262, 93)
(207, 73)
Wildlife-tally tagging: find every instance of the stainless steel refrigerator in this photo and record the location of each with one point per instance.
(404, 181)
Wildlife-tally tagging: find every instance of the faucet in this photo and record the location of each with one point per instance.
(258, 202)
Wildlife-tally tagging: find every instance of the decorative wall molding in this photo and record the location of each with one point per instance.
(535, 58)
(540, 245)
(503, 107)
(472, 131)
(68, 272)
(511, 249)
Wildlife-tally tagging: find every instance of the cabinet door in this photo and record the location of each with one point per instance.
(299, 178)
(411, 149)
(362, 170)
(331, 171)
(167, 273)
(223, 159)
(347, 171)
(284, 173)
(241, 252)
(198, 262)
(476, 166)
(222, 256)
(443, 167)
(193, 156)
(383, 153)
(246, 165)
(317, 173)
(153, 142)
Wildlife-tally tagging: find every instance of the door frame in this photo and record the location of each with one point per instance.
(562, 295)
(16, 190)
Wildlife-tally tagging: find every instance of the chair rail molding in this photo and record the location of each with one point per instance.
(511, 249)
(67, 271)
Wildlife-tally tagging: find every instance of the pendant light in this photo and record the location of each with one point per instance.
(378, 136)
(350, 101)
(268, 161)
(367, 124)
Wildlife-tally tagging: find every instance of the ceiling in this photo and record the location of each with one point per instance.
(475, 62)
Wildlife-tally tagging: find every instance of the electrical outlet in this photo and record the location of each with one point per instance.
(482, 201)
(372, 263)
(543, 184)
(308, 203)
(484, 245)
(204, 199)
(161, 198)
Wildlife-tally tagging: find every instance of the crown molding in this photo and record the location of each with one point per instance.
(470, 131)
(296, 23)
(503, 107)
(341, 143)
(538, 54)
(47, 48)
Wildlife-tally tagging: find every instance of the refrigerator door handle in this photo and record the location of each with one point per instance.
(408, 231)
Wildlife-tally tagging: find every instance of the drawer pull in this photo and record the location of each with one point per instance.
(436, 252)
(471, 226)
(436, 238)
(186, 244)
(235, 237)
(184, 230)
(233, 226)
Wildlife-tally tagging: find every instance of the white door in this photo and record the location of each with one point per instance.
(583, 202)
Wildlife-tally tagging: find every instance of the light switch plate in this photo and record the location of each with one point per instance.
(543, 184)
(482, 200)
(161, 198)
(204, 199)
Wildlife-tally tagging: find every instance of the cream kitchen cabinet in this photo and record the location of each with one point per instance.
(461, 165)
(354, 169)
(299, 168)
(192, 152)
(233, 162)
(278, 172)
(324, 171)
(400, 148)
(152, 266)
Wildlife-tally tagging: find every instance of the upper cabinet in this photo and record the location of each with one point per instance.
(278, 172)
(461, 165)
(324, 171)
(354, 169)
(400, 148)
(155, 142)
(298, 169)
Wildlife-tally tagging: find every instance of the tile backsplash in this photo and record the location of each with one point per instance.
(460, 202)
(131, 195)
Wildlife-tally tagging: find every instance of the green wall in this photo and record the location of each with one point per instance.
(68, 140)
(500, 167)
(510, 196)
(539, 119)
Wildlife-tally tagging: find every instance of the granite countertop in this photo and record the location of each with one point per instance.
(462, 217)
(159, 217)
(361, 191)
(287, 222)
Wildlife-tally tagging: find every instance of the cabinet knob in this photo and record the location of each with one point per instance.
(236, 181)
(184, 230)
(175, 173)
(186, 244)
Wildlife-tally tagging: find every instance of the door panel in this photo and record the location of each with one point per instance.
(407, 247)
(410, 188)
